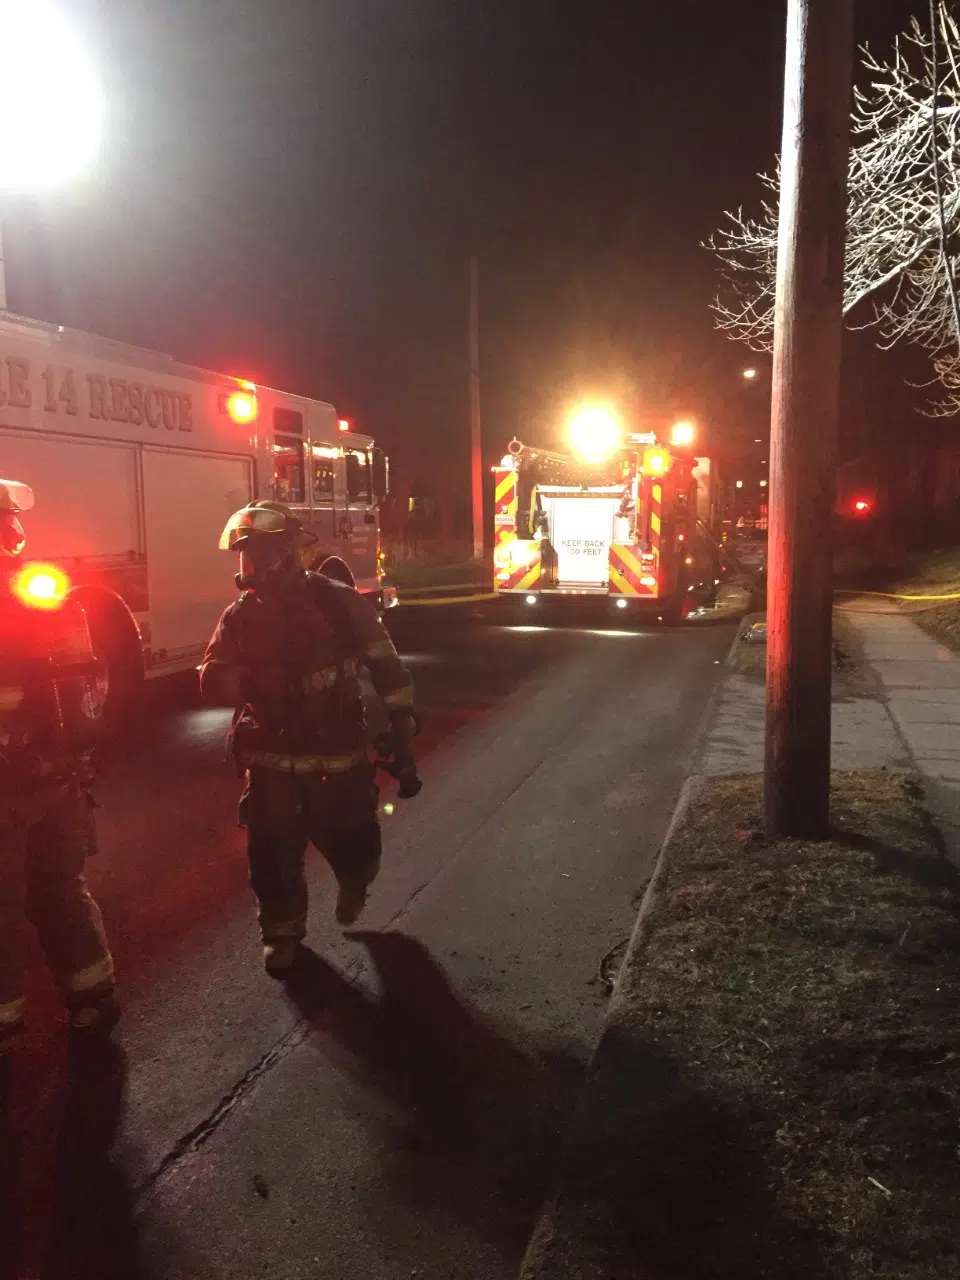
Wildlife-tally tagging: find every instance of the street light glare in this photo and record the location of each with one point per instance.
(51, 107)
(595, 433)
(682, 434)
(749, 374)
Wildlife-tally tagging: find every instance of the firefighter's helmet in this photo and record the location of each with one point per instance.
(14, 498)
(264, 518)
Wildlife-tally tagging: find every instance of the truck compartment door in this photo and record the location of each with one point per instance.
(188, 498)
(86, 496)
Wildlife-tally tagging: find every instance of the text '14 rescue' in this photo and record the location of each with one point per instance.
(93, 395)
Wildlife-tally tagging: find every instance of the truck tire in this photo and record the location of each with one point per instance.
(117, 645)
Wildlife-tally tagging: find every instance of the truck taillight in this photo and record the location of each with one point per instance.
(41, 586)
(648, 580)
(514, 554)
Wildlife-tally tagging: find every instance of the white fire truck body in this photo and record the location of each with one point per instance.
(137, 461)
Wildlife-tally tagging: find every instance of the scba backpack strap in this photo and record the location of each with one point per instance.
(331, 599)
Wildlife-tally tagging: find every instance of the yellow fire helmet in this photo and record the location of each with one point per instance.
(264, 516)
(15, 496)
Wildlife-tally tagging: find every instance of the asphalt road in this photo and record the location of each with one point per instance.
(395, 1113)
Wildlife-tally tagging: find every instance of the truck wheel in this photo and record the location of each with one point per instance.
(116, 643)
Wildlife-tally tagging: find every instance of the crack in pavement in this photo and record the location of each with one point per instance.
(195, 1138)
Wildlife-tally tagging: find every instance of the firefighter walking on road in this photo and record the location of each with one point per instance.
(287, 655)
(50, 709)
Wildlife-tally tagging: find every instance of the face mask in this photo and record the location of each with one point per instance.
(12, 538)
(264, 563)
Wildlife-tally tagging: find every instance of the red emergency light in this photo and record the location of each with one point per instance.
(862, 506)
(41, 586)
(343, 424)
(242, 407)
(656, 462)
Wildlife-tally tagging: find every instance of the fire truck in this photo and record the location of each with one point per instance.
(628, 524)
(137, 461)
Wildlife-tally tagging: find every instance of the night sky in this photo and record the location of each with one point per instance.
(291, 190)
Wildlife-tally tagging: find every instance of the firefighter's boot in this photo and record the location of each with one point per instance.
(352, 895)
(94, 1019)
(279, 957)
(351, 900)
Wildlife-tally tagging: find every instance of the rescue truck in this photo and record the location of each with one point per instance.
(628, 523)
(137, 462)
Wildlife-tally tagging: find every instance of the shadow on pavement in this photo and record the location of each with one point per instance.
(8, 1174)
(75, 1220)
(478, 1119)
(93, 1232)
(661, 1179)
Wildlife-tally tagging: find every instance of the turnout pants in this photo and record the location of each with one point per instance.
(45, 840)
(283, 812)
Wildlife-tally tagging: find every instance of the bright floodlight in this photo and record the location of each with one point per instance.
(749, 374)
(595, 433)
(682, 434)
(51, 108)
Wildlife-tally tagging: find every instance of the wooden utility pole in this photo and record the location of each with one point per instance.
(476, 447)
(805, 410)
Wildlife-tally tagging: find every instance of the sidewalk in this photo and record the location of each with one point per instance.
(648, 1170)
(920, 679)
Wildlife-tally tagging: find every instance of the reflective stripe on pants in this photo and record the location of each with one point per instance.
(98, 974)
(281, 763)
(12, 1013)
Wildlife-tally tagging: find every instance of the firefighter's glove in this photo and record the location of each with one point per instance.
(395, 757)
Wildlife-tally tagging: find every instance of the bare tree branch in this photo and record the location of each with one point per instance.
(903, 211)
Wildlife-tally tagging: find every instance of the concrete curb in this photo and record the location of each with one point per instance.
(651, 894)
(734, 645)
(543, 1231)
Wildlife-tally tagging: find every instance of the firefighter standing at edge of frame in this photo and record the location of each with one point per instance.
(286, 654)
(50, 711)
